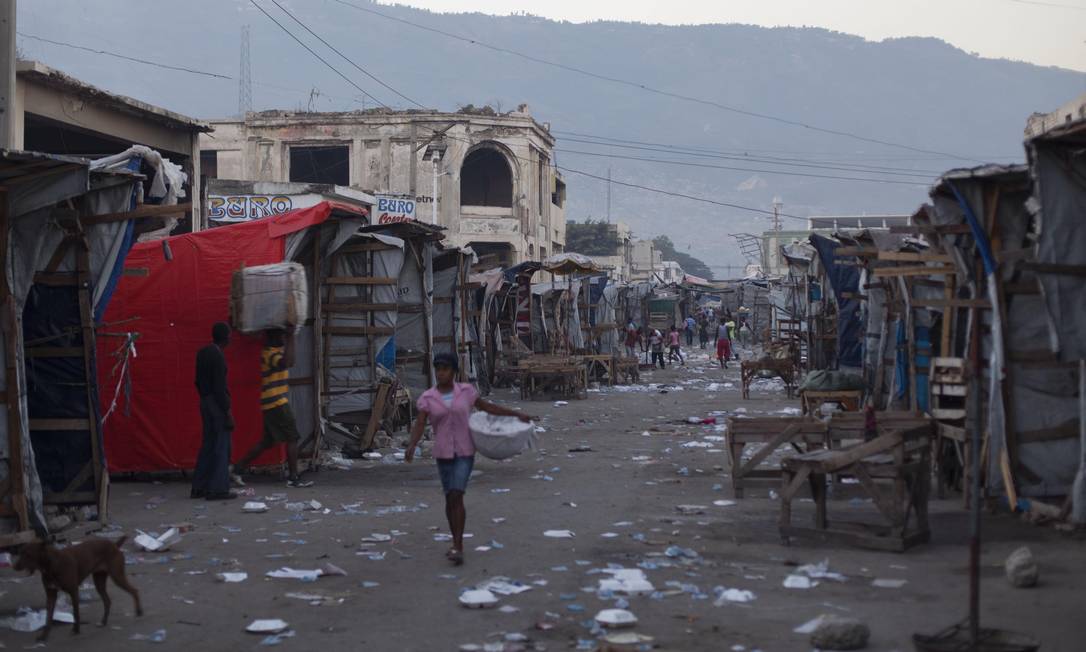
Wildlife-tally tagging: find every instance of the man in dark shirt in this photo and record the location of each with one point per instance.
(211, 479)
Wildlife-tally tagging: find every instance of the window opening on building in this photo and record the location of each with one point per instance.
(321, 164)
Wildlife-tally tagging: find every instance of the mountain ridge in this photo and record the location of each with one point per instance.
(918, 91)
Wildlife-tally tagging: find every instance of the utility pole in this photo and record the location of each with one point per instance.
(608, 195)
(7, 75)
(245, 78)
(777, 205)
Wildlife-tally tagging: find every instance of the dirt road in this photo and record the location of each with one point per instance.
(619, 499)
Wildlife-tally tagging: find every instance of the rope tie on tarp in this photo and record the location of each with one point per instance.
(122, 371)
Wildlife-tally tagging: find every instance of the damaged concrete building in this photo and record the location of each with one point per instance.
(56, 113)
(486, 177)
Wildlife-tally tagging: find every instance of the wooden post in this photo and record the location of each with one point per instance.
(86, 318)
(318, 363)
(12, 393)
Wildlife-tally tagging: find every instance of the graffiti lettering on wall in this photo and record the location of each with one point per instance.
(247, 207)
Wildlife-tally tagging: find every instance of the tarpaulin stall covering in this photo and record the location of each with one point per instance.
(845, 281)
(171, 302)
(49, 199)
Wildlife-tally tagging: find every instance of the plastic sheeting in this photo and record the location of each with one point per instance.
(34, 235)
(350, 360)
(172, 307)
(844, 279)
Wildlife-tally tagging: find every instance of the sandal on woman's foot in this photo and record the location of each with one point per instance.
(455, 556)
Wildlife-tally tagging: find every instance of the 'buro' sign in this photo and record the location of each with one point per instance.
(391, 208)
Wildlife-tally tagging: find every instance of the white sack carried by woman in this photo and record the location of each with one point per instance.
(499, 438)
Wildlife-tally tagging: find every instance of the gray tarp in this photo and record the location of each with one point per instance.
(34, 235)
(349, 358)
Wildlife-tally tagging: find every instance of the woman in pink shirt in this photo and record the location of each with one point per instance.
(676, 347)
(447, 406)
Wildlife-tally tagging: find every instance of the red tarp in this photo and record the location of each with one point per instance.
(172, 304)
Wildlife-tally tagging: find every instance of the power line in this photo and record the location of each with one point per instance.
(678, 194)
(125, 57)
(319, 57)
(651, 89)
(771, 160)
(165, 66)
(739, 169)
(345, 57)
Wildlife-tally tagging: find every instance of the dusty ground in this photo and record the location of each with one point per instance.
(407, 600)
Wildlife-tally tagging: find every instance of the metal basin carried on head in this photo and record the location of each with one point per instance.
(956, 639)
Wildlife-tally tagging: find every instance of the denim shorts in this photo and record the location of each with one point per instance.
(455, 473)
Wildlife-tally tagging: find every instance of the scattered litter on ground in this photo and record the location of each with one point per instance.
(231, 578)
(616, 618)
(157, 542)
(628, 638)
(820, 571)
(293, 574)
(31, 620)
(811, 625)
(676, 552)
(267, 626)
(724, 596)
(559, 534)
(799, 582)
(254, 507)
(690, 510)
(723, 503)
(157, 636)
(478, 599)
(628, 581)
(504, 586)
(888, 583)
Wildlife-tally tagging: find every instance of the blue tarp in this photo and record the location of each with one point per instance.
(844, 279)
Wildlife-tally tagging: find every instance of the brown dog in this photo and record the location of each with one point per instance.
(64, 569)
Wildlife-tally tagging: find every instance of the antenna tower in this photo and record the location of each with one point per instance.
(245, 79)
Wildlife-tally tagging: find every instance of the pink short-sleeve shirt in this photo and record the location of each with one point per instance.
(452, 438)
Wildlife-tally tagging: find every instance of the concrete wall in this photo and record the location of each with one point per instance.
(387, 155)
(77, 109)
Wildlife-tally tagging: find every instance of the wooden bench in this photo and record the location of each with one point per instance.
(900, 457)
(802, 433)
(785, 368)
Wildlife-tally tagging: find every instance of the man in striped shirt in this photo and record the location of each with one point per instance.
(276, 359)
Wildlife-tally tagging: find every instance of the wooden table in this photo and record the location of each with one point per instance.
(900, 457)
(802, 433)
(605, 362)
(811, 399)
(567, 376)
(786, 369)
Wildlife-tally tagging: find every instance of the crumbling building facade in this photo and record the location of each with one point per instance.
(497, 189)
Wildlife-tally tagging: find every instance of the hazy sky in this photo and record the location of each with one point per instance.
(1046, 32)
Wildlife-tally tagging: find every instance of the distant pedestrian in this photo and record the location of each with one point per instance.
(633, 334)
(703, 331)
(732, 334)
(676, 348)
(723, 345)
(211, 478)
(656, 342)
(448, 406)
(690, 325)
